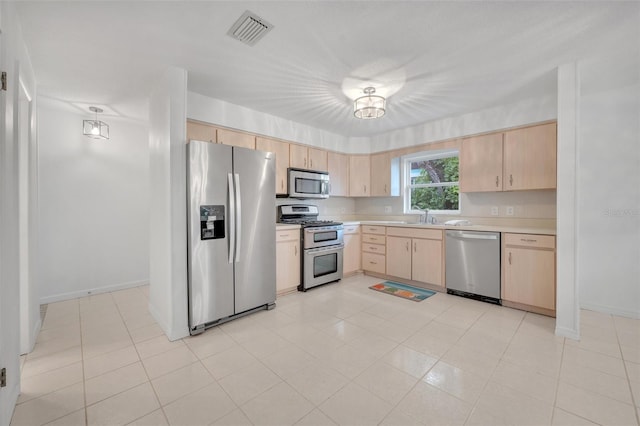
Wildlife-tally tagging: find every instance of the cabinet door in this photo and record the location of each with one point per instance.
(200, 132)
(359, 168)
(481, 163)
(287, 265)
(318, 159)
(530, 158)
(381, 175)
(338, 166)
(426, 261)
(530, 277)
(351, 261)
(230, 137)
(298, 156)
(281, 149)
(399, 257)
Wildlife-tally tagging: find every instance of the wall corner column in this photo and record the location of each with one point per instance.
(167, 215)
(567, 280)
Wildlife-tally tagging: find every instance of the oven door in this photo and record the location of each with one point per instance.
(315, 237)
(322, 265)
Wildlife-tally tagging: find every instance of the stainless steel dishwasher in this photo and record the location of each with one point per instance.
(473, 264)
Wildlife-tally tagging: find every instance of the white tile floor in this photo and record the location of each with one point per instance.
(339, 354)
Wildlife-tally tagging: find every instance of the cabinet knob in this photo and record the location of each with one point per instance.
(497, 181)
(510, 180)
(509, 258)
(407, 246)
(415, 247)
(385, 188)
(295, 250)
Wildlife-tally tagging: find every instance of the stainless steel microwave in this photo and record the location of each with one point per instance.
(308, 184)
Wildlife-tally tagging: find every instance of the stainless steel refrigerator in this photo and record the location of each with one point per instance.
(231, 232)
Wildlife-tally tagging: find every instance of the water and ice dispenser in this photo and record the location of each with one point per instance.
(212, 222)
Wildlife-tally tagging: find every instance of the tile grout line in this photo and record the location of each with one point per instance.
(636, 409)
(143, 367)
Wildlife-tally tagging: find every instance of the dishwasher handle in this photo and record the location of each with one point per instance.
(468, 236)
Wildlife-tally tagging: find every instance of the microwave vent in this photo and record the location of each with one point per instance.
(249, 28)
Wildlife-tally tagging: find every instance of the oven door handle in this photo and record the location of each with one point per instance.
(335, 247)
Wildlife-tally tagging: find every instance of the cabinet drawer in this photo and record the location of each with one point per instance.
(375, 239)
(289, 235)
(374, 248)
(430, 234)
(373, 262)
(352, 229)
(530, 240)
(372, 229)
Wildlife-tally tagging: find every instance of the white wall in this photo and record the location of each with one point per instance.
(94, 205)
(14, 59)
(210, 110)
(168, 195)
(519, 113)
(608, 186)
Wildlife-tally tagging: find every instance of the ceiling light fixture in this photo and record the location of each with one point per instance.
(370, 105)
(95, 128)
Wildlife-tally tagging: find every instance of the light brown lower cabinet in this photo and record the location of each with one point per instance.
(374, 249)
(351, 263)
(416, 259)
(287, 260)
(529, 272)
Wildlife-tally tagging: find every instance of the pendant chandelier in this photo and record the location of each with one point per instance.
(95, 128)
(369, 106)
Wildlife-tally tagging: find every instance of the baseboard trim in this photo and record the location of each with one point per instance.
(88, 292)
(610, 310)
(171, 334)
(568, 333)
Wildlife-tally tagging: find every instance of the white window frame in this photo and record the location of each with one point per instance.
(406, 179)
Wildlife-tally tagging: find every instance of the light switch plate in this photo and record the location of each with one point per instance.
(509, 210)
(495, 211)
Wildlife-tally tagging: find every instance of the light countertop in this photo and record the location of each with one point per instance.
(486, 228)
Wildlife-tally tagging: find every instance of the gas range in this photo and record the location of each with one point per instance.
(309, 223)
(322, 243)
(303, 215)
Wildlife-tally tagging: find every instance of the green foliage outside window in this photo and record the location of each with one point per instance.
(441, 176)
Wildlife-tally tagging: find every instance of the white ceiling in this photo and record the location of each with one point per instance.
(431, 59)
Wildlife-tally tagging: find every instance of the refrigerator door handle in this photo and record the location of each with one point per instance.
(238, 216)
(232, 217)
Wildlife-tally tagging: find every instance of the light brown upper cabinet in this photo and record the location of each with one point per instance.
(281, 149)
(530, 158)
(200, 132)
(519, 159)
(241, 139)
(303, 157)
(481, 163)
(359, 176)
(338, 165)
(209, 133)
(385, 175)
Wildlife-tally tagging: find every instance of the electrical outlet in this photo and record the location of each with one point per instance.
(387, 209)
(509, 210)
(495, 211)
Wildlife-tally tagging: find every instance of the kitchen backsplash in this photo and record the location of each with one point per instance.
(525, 204)
(530, 208)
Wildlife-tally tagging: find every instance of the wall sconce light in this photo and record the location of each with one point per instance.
(95, 128)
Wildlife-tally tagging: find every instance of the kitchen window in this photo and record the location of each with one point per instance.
(431, 182)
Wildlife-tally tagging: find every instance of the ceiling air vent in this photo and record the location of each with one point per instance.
(249, 28)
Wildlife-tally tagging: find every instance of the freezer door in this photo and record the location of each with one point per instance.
(209, 232)
(255, 267)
